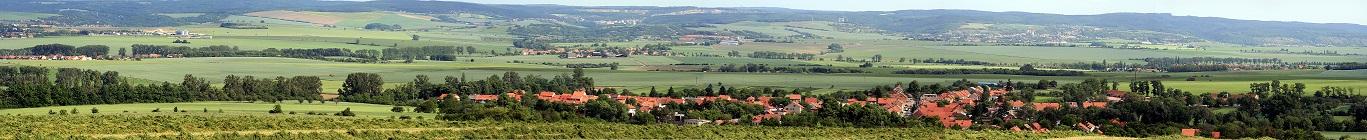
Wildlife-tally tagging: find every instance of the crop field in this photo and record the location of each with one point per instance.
(1336, 135)
(6, 15)
(180, 15)
(227, 107)
(356, 19)
(261, 20)
(778, 29)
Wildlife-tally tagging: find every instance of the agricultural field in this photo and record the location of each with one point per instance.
(1350, 135)
(225, 107)
(6, 15)
(181, 15)
(358, 19)
(213, 69)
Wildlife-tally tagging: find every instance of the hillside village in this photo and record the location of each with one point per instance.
(949, 108)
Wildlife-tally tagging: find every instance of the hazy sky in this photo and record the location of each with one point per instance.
(1315, 11)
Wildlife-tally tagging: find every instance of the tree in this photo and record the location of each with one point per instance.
(1359, 110)
(93, 50)
(428, 106)
(123, 52)
(1027, 67)
(361, 84)
(397, 109)
(94, 110)
(835, 48)
(415, 37)
(276, 110)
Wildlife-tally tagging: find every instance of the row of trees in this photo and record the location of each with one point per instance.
(992, 71)
(779, 55)
(27, 86)
(443, 53)
(367, 87)
(59, 49)
(764, 68)
(1347, 66)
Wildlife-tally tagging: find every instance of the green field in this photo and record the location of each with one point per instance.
(6, 15)
(299, 31)
(238, 108)
(1336, 135)
(214, 69)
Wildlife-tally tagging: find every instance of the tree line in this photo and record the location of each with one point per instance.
(764, 68)
(779, 55)
(59, 49)
(1023, 71)
(28, 86)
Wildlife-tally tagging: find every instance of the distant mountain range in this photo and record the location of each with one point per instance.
(905, 22)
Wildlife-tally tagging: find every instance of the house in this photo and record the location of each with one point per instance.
(793, 108)
(1042, 106)
(696, 121)
(1190, 132)
(794, 97)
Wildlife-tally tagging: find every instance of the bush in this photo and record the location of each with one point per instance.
(277, 110)
(94, 110)
(346, 112)
(398, 109)
(156, 110)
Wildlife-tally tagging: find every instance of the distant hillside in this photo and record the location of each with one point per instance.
(143, 13)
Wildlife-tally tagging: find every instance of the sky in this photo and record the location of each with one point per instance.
(1313, 11)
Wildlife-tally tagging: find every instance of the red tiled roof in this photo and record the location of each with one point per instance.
(1190, 132)
(1042, 106)
(794, 97)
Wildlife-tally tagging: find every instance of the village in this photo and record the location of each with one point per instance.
(949, 109)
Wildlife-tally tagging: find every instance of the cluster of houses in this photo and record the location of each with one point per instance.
(22, 30)
(704, 39)
(46, 57)
(572, 53)
(897, 102)
(948, 108)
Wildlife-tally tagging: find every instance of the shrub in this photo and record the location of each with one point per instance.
(346, 112)
(277, 110)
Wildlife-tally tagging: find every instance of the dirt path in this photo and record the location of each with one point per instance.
(269, 132)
